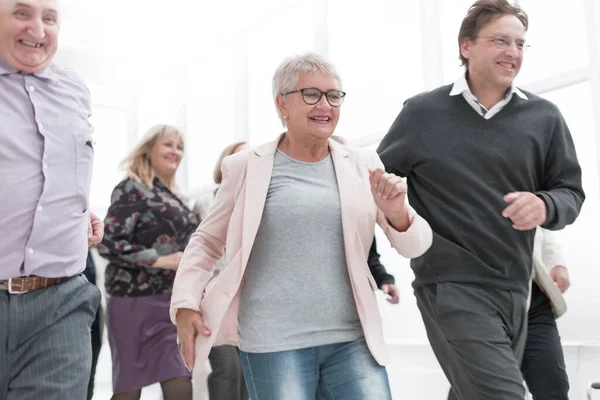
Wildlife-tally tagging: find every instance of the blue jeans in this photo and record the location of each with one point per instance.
(340, 371)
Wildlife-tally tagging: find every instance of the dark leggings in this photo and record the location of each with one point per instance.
(173, 389)
(543, 363)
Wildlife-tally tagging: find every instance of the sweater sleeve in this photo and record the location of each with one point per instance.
(552, 254)
(562, 189)
(118, 245)
(393, 148)
(377, 269)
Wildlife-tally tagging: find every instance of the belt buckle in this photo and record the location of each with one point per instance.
(10, 289)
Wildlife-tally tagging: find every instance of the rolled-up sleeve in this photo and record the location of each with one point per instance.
(552, 254)
(413, 242)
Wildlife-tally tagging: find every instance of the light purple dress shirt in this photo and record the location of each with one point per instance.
(46, 157)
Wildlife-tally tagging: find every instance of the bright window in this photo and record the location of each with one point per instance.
(210, 115)
(286, 34)
(377, 50)
(111, 146)
(579, 240)
(557, 35)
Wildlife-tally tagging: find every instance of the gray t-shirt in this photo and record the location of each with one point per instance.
(297, 291)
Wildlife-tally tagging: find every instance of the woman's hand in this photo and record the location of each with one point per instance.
(560, 275)
(392, 291)
(189, 325)
(389, 192)
(168, 262)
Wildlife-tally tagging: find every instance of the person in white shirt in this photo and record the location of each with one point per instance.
(543, 364)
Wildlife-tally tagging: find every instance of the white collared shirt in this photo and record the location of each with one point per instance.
(461, 86)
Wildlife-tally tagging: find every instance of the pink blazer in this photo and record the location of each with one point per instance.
(233, 221)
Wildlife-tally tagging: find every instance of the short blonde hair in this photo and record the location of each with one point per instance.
(227, 151)
(288, 73)
(137, 164)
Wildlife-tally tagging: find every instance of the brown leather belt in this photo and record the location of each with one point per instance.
(28, 284)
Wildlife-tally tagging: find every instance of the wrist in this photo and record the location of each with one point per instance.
(157, 263)
(186, 310)
(399, 220)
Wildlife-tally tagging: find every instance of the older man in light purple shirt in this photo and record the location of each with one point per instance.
(46, 156)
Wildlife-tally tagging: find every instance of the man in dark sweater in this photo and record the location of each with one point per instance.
(485, 164)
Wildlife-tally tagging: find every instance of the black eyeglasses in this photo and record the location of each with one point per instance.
(312, 96)
(504, 42)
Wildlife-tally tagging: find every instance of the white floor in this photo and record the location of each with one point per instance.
(414, 373)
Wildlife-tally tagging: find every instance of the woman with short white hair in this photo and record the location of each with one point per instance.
(297, 216)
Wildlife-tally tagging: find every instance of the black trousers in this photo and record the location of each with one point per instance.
(543, 361)
(226, 381)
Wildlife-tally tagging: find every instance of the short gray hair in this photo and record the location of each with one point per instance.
(288, 73)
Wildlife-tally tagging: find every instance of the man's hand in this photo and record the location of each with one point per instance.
(526, 210)
(168, 262)
(389, 193)
(392, 291)
(189, 325)
(95, 230)
(560, 275)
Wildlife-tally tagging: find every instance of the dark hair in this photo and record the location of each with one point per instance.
(480, 14)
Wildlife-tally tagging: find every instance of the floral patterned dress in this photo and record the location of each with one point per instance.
(141, 225)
